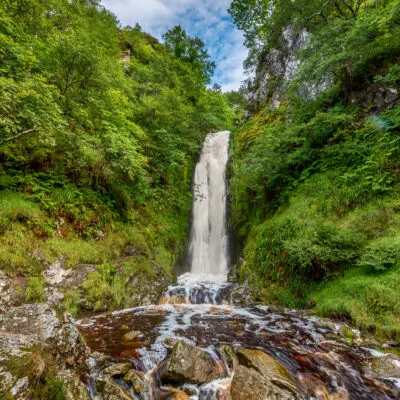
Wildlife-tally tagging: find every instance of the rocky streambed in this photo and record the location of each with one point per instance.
(183, 350)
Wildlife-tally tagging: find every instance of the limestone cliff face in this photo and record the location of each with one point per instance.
(277, 67)
(280, 64)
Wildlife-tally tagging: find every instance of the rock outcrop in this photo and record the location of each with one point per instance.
(35, 342)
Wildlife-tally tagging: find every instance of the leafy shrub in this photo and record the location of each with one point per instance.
(381, 254)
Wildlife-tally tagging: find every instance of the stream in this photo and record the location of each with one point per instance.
(196, 344)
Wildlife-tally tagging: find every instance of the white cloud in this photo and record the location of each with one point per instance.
(207, 19)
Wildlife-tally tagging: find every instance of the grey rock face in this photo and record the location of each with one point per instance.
(278, 66)
(379, 95)
(30, 336)
(8, 296)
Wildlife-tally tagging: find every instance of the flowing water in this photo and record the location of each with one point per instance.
(208, 254)
(199, 311)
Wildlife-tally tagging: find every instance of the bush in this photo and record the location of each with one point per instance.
(381, 254)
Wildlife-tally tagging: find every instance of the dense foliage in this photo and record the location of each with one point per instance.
(315, 182)
(100, 128)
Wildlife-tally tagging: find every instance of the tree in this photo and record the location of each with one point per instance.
(192, 51)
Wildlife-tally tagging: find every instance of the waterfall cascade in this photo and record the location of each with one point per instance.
(208, 247)
(208, 255)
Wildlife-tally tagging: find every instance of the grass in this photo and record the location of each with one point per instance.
(371, 301)
(34, 292)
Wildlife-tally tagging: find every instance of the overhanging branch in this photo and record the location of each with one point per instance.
(10, 139)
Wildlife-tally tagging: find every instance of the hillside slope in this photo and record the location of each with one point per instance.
(100, 130)
(315, 171)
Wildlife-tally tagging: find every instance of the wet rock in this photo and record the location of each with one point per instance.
(111, 390)
(136, 380)
(386, 366)
(177, 394)
(272, 308)
(132, 336)
(268, 367)
(313, 386)
(170, 342)
(325, 324)
(117, 370)
(333, 336)
(242, 295)
(371, 343)
(228, 356)
(248, 384)
(189, 364)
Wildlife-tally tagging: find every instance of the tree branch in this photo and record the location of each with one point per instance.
(320, 13)
(17, 136)
(359, 2)
(353, 13)
(339, 9)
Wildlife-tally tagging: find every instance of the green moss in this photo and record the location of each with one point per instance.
(34, 292)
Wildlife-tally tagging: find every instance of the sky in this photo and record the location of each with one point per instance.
(207, 19)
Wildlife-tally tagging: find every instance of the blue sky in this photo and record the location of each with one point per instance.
(207, 19)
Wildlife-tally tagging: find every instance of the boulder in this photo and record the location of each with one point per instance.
(177, 394)
(136, 380)
(132, 336)
(111, 390)
(248, 384)
(267, 366)
(115, 370)
(260, 376)
(189, 364)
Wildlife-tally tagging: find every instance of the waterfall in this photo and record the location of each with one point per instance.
(208, 248)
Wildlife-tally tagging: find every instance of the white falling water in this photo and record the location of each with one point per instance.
(208, 253)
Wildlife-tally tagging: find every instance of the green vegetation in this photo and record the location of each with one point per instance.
(100, 128)
(34, 290)
(315, 182)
